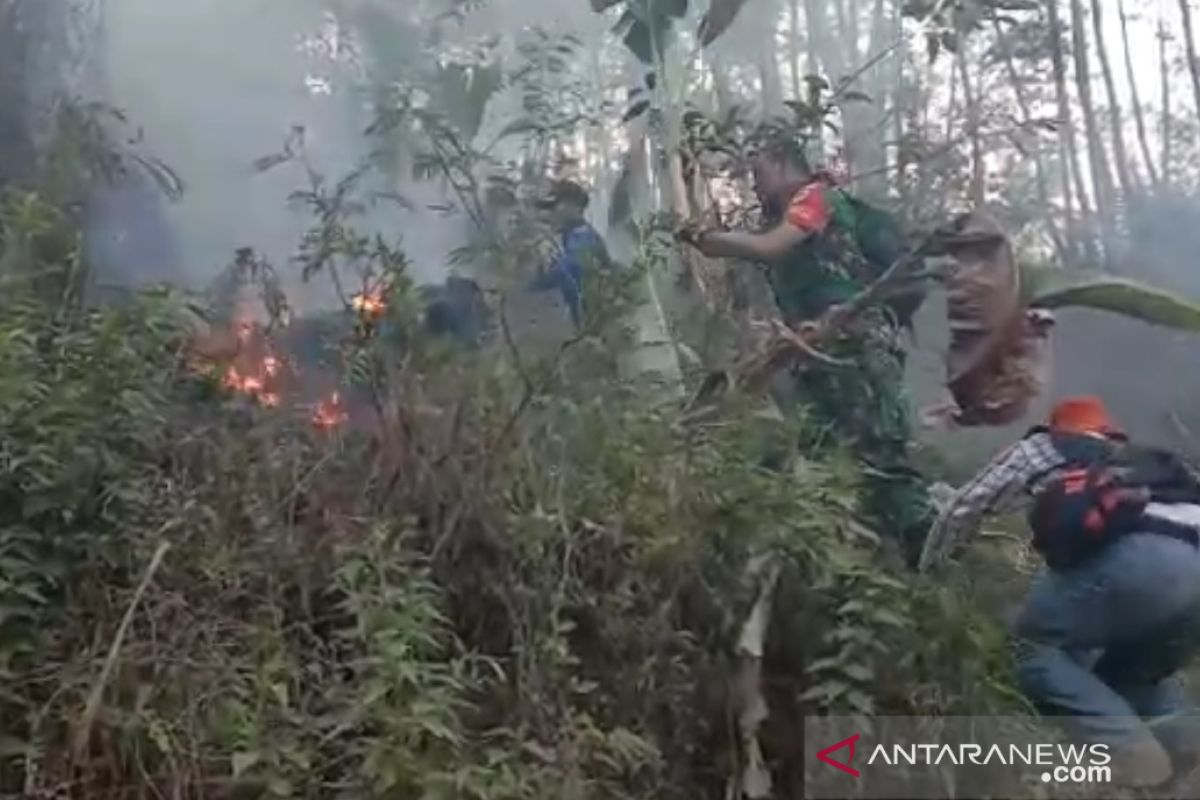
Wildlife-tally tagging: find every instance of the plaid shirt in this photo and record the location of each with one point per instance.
(1002, 486)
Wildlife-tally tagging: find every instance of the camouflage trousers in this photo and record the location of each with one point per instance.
(865, 406)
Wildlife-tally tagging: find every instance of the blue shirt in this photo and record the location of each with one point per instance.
(582, 247)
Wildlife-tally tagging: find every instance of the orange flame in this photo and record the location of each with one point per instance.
(255, 369)
(371, 305)
(329, 412)
(245, 331)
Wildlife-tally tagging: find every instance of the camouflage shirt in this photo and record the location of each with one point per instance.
(829, 267)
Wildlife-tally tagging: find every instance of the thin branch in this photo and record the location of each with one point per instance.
(83, 734)
(511, 344)
(950, 145)
(846, 83)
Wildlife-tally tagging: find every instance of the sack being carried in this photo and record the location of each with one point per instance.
(997, 361)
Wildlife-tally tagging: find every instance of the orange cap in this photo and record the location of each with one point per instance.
(1083, 415)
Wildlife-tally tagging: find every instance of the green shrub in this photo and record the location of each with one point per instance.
(499, 586)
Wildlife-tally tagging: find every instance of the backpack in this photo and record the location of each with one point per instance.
(882, 242)
(1100, 493)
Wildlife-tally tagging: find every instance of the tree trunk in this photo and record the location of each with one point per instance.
(772, 84)
(794, 49)
(1139, 116)
(766, 60)
(978, 187)
(851, 33)
(862, 134)
(877, 43)
(952, 106)
(812, 32)
(844, 43)
(1072, 169)
(1039, 164)
(870, 120)
(827, 50)
(814, 19)
(1185, 10)
(1120, 154)
(1165, 77)
(723, 92)
(900, 105)
(654, 351)
(921, 198)
(1102, 183)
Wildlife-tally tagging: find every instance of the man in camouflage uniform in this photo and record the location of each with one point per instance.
(816, 262)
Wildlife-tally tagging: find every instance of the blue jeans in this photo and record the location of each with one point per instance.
(1102, 644)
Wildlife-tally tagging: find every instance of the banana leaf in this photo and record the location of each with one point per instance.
(721, 14)
(1055, 288)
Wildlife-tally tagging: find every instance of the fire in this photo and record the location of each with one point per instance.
(329, 412)
(370, 304)
(245, 332)
(250, 366)
(255, 370)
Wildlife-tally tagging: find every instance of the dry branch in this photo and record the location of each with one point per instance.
(755, 779)
(789, 345)
(83, 733)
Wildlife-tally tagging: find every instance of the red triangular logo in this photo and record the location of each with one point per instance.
(843, 766)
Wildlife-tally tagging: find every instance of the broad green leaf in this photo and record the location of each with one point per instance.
(636, 110)
(860, 702)
(241, 762)
(858, 672)
(721, 14)
(639, 42)
(1054, 288)
(855, 96)
(827, 691)
(823, 664)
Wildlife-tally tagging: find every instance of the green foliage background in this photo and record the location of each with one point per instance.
(532, 593)
(518, 577)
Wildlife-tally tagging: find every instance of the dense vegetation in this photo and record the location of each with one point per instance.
(509, 585)
(515, 575)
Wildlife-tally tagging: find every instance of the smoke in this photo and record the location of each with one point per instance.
(216, 85)
(1150, 376)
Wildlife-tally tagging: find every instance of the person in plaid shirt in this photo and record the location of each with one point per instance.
(1000, 488)
(1101, 643)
